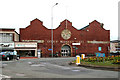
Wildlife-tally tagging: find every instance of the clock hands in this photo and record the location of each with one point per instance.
(66, 34)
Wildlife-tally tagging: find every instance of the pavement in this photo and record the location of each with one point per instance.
(51, 68)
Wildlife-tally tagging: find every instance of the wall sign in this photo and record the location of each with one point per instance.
(98, 42)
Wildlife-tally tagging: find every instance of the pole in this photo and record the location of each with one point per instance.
(52, 30)
(75, 50)
(52, 27)
(75, 46)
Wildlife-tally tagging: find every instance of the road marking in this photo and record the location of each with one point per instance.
(4, 76)
(20, 74)
(75, 70)
(30, 63)
(41, 65)
(63, 67)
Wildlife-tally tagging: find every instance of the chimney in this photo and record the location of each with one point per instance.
(102, 25)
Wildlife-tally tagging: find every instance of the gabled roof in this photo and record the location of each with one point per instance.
(64, 22)
(91, 23)
(36, 20)
(84, 27)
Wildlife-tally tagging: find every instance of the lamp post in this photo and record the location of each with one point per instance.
(52, 27)
(75, 46)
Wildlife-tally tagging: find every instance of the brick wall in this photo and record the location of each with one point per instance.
(93, 32)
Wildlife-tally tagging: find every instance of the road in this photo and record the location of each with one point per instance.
(51, 68)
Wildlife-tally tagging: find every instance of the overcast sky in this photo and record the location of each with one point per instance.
(18, 13)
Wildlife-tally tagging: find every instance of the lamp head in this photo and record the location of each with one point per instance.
(56, 4)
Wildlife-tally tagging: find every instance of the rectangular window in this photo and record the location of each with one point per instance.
(6, 37)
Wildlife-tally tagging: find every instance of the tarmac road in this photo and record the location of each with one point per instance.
(51, 68)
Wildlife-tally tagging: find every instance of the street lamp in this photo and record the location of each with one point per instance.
(52, 27)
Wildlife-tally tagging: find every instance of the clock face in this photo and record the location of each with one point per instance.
(66, 34)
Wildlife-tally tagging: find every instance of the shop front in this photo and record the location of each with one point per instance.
(26, 49)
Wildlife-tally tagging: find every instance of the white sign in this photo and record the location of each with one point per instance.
(25, 45)
(75, 43)
(10, 45)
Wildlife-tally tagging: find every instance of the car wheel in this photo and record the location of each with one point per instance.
(8, 58)
(18, 58)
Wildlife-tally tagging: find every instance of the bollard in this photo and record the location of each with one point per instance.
(82, 56)
(77, 60)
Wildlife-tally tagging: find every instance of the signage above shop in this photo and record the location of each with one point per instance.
(38, 41)
(25, 45)
(2, 45)
(7, 45)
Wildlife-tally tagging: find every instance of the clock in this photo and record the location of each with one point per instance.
(66, 34)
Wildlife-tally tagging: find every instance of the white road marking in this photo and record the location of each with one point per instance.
(20, 74)
(75, 70)
(41, 65)
(4, 76)
(63, 67)
(30, 63)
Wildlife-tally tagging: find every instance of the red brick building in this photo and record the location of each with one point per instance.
(67, 40)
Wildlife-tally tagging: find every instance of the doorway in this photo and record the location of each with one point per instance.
(66, 50)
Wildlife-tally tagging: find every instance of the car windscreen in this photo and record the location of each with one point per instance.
(2, 53)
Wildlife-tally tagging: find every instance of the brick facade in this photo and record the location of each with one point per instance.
(90, 37)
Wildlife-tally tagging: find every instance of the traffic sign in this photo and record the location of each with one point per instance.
(76, 48)
(39, 50)
(50, 49)
(73, 46)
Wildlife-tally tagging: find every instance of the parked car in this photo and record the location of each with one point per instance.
(8, 56)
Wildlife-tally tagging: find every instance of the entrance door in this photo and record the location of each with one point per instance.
(66, 50)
